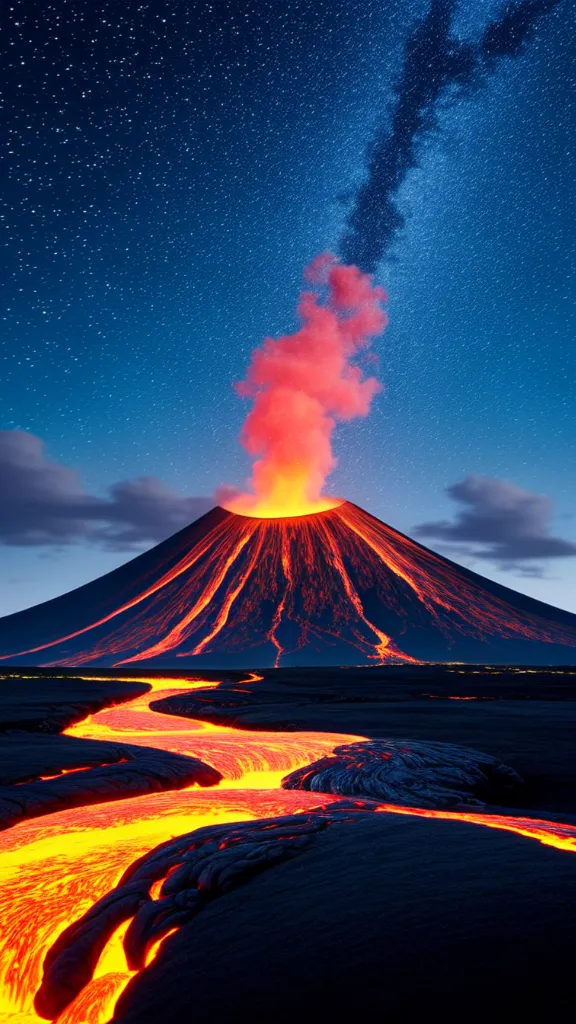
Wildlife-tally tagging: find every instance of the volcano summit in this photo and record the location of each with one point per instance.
(334, 587)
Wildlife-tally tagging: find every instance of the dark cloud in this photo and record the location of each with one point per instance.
(437, 66)
(145, 509)
(511, 525)
(42, 502)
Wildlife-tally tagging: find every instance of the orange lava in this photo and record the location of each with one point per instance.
(245, 759)
(287, 500)
(53, 869)
(548, 833)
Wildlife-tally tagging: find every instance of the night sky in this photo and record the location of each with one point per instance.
(170, 168)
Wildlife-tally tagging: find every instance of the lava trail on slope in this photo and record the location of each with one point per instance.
(334, 587)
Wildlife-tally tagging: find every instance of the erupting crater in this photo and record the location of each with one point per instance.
(286, 503)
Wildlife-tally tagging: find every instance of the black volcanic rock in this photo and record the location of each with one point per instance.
(526, 718)
(410, 774)
(28, 756)
(389, 918)
(200, 867)
(42, 772)
(48, 704)
(338, 587)
(135, 771)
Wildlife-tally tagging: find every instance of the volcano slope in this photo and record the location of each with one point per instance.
(336, 587)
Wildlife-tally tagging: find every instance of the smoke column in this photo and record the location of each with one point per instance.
(302, 384)
(436, 65)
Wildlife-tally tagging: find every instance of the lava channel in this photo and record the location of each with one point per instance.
(54, 869)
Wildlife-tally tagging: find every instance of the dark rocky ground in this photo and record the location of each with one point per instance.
(32, 713)
(526, 718)
(387, 917)
(47, 703)
(391, 918)
(34, 710)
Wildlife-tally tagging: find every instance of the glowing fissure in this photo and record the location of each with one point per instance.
(384, 648)
(184, 564)
(339, 577)
(224, 612)
(390, 559)
(73, 771)
(433, 582)
(180, 631)
(53, 869)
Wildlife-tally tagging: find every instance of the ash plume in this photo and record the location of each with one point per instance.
(437, 67)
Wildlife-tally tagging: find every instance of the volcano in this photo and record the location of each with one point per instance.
(331, 588)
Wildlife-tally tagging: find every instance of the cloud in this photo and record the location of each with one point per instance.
(43, 502)
(511, 526)
(145, 509)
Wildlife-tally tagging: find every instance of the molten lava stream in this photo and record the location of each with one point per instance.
(54, 868)
(247, 760)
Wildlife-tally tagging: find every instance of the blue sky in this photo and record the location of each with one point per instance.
(173, 167)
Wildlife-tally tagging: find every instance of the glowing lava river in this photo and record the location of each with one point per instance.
(55, 868)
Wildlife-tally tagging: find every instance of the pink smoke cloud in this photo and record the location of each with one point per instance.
(302, 384)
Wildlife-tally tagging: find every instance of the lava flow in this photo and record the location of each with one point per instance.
(53, 869)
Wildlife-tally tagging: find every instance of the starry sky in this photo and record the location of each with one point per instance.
(170, 166)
